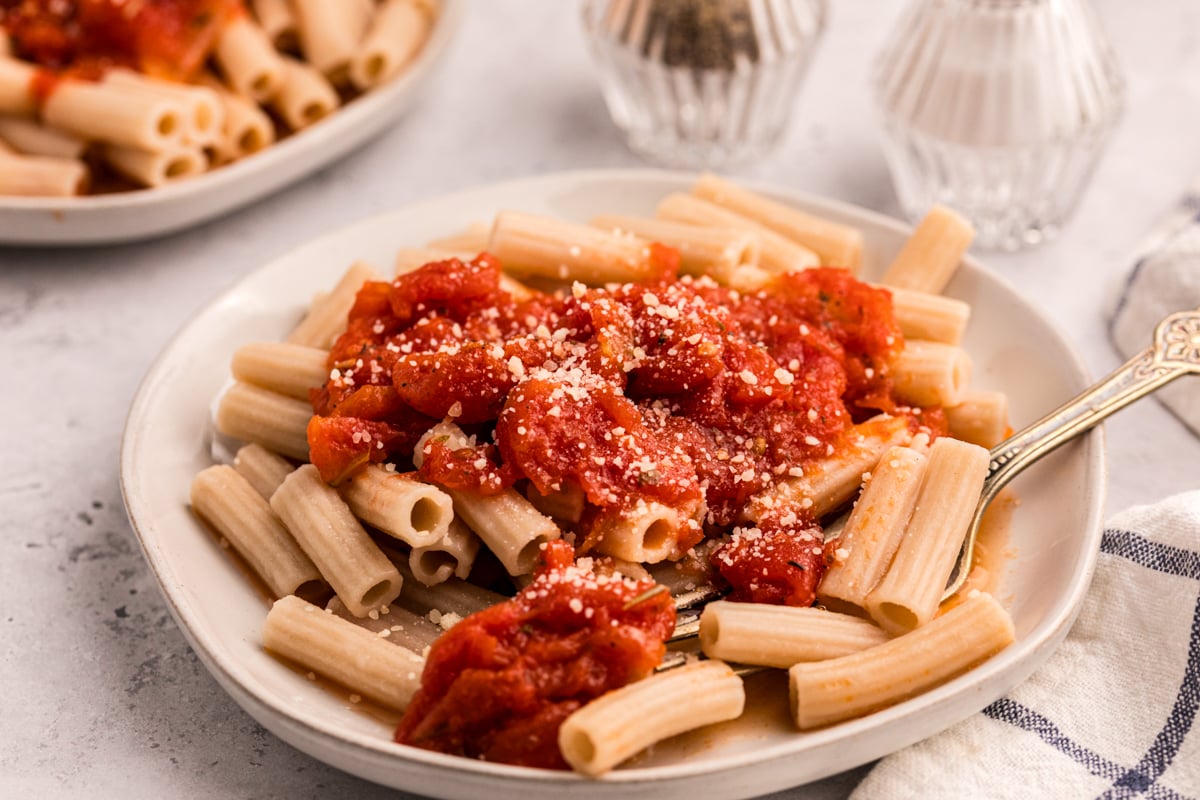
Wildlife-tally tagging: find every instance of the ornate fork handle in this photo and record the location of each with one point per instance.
(1175, 352)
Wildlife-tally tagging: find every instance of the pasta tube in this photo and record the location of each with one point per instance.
(933, 317)
(824, 692)
(720, 253)
(837, 245)
(931, 373)
(256, 415)
(931, 255)
(472, 239)
(326, 318)
(910, 591)
(288, 369)
(262, 468)
(228, 502)
(646, 533)
(354, 565)
(451, 556)
(278, 22)
(16, 82)
(566, 504)
(41, 176)
(116, 114)
(330, 31)
(33, 139)
(619, 724)
(248, 59)
(203, 113)
(779, 254)
(980, 418)
(828, 484)
(393, 39)
(155, 167)
(305, 96)
(780, 636)
(343, 652)
(506, 522)
(414, 512)
(531, 245)
(874, 529)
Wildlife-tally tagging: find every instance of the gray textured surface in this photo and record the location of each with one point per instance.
(103, 698)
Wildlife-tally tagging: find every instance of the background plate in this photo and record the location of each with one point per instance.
(139, 214)
(1055, 532)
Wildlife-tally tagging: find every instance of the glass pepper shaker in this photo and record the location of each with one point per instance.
(998, 108)
(702, 83)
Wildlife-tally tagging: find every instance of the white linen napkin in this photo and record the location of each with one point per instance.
(1113, 713)
(1165, 278)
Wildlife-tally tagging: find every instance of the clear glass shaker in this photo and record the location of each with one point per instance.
(702, 83)
(998, 108)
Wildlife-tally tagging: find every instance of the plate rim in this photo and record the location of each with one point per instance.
(1000, 665)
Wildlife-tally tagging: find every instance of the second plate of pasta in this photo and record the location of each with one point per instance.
(1052, 538)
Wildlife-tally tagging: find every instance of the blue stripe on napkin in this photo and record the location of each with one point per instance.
(1141, 779)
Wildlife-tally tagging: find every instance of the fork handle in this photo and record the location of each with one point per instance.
(1175, 352)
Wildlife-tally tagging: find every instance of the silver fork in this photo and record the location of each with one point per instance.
(1175, 352)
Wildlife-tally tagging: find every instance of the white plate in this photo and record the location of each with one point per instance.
(142, 213)
(1055, 532)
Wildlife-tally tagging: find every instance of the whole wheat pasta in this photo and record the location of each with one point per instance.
(874, 529)
(116, 114)
(979, 418)
(272, 420)
(155, 167)
(263, 469)
(34, 139)
(356, 658)
(909, 593)
(415, 512)
(933, 317)
(727, 255)
(837, 245)
(566, 504)
(228, 502)
(248, 59)
(41, 176)
(619, 724)
(531, 245)
(508, 523)
(931, 373)
(828, 484)
(326, 318)
(393, 39)
(304, 97)
(203, 113)
(779, 254)
(931, 255)
(452, 596)
(330, 31)
(353, 565)
(16, 80)
(780, 636)
(646, 532)
(824, 692)
(451, 556)
(288, 369)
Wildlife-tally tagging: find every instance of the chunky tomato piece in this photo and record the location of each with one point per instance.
(773, 563)
(339, 446)
(499, 684)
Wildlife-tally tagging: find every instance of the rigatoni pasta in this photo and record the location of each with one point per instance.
(135, 83)
(626, 418)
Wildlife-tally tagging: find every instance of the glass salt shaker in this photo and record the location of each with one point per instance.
(998, 108)
(702, 83)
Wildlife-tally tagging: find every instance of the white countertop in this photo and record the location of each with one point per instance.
(104, 697)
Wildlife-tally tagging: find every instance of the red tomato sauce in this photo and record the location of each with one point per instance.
(499, 684)
(677, 391)
(166, 38)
